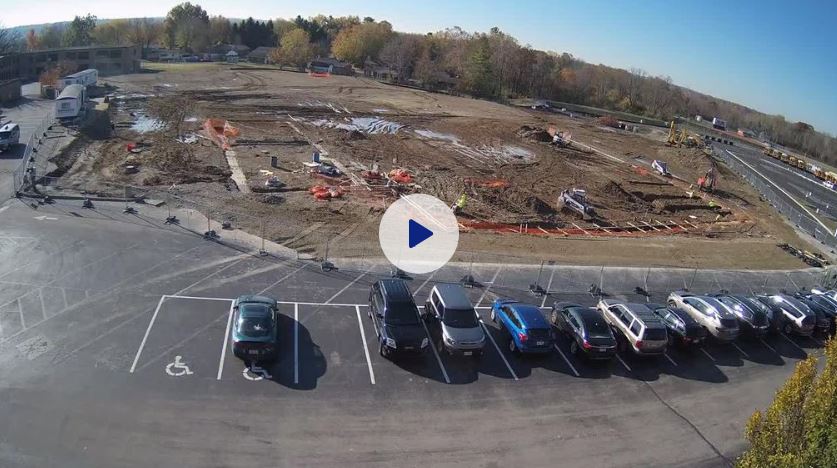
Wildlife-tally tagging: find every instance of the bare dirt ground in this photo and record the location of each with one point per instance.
(449, 146)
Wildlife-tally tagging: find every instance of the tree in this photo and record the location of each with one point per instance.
(145, 32)
(32, 41)
(186, 26)
(358, 42)
(799, 429)
(114, 32)
(80, 31)
(401, 54)
(282, 27)
(294, 49)
(9, 41)
(479, 79)
(220, 30)
(52, 36)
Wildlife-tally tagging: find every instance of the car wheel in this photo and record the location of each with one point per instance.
(574, 348)
(493, 316)
(382, 349)
(512, 346)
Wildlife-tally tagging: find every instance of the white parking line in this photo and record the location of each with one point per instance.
(488, 288)
(224, 346)
(768, 346)
(435, 352)
(365, 347)
(240, 259)
(147, 331)
(623, 363)
(347, 286)
(566, 360)
(509, 367)
(741, 351)
(793, 343)
(425, 282)
(20, 311)
(707, 354)
(296, 343)
(43, 309)
(283, 278)
(670, 359)
(548, 285)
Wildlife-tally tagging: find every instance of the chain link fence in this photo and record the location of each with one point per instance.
(35, 156)
(791, 210)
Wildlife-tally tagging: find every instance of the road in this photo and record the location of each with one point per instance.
(112, 332)
(799, 185)
(29, 113)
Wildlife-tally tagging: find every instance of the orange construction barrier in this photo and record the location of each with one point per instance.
(401, 176)
(221, 132)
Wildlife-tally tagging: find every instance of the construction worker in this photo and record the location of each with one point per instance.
(460, 204)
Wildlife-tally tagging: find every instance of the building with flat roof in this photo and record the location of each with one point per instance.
(115, 60)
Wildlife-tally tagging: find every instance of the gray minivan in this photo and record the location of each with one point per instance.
(449, 309)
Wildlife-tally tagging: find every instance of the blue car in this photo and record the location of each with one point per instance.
(528, 330)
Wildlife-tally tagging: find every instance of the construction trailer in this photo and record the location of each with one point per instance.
(69, 104)
(85, 78)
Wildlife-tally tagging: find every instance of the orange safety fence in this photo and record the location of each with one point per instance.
(488, 183)
(320, 74)
(221, 132)
(544, 230)
(401, 176)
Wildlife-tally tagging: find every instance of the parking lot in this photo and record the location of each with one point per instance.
(114, 337)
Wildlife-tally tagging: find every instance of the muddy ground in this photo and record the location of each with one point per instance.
(495, 154)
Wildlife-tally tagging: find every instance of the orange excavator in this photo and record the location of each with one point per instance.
(707, 182)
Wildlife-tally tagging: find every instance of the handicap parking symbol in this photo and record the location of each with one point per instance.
(255, 373)
(178, 367)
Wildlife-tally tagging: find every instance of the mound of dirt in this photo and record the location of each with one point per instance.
(535, 134)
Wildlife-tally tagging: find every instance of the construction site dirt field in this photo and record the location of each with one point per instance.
(377, 141)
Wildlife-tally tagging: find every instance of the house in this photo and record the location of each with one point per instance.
(372, 69)
(330, 65)
(260, 54)
(240, 49)
(231, 57)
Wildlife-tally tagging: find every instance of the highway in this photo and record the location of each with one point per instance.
(799, 185)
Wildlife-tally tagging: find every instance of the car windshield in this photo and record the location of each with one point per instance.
(255, 327)
(460, 318)
(595, 326)
(404, 313)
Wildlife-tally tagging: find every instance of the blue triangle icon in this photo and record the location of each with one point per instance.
(417, 234)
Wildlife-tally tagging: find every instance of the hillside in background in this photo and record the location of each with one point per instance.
(490, 65)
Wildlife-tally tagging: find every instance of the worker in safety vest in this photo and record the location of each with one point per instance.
(460, 203)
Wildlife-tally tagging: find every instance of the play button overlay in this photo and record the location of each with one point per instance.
(418, 233)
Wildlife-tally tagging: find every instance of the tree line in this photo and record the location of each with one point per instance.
(490, 65)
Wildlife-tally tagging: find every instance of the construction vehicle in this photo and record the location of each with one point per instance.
(661, 167)
(800, 163)
(575, 200)
(792, 160)
(818, 172)
(768, 152)
(784, 157)
(673, 137)
(831, 177)
(559, 139)
(707, 182)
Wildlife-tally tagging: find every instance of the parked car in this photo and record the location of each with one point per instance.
(682, 329)
(707, 311)
(751, 320)
(830, 305)
(9, 136)
(255, 331)
(396, 319)
(824, 314)
(590, 333)
(450, 310)
(789, 315)
(635, 327)
(528, 331)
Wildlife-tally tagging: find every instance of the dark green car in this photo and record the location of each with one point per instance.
(255, 331)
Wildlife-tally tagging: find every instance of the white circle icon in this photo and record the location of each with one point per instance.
(418, 233)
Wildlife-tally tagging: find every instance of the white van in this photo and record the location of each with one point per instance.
(9, 136)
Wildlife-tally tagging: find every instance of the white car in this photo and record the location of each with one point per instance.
(709, 312)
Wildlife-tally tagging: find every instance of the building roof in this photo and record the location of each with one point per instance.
(73, 91)
(232, 53)
(62, 49)
(262, 50)
(81, 73)
(330, 61)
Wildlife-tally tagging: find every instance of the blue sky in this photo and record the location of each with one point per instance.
(776, 57)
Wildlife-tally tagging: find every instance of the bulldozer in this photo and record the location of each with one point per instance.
(575, 200)
(707, 182)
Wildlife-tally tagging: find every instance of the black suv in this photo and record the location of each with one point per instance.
(752, 319)
(587, 328)
(683, 330)
(396, 319)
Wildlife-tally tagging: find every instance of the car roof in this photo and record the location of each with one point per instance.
(395, 290)
(644, 314)
(530, 314)
(587, 313)
(453, 296)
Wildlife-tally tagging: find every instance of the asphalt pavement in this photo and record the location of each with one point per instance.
(114, 352)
